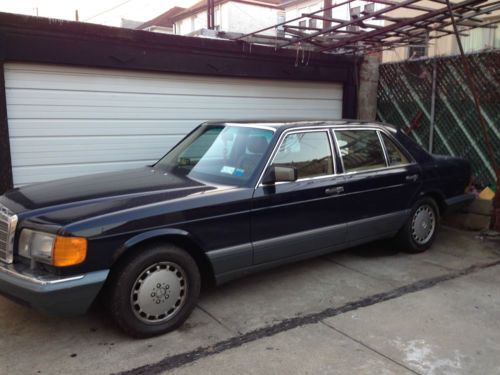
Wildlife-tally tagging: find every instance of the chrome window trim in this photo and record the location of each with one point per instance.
(374, 169)
(280, 141)
(332, 150)
(333, 128)
(226, 124)
(400, 148)
(338, 150)
(384, 150)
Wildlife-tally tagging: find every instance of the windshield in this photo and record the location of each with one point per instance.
(219, 153)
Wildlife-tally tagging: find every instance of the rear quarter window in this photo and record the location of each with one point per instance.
(395, 155)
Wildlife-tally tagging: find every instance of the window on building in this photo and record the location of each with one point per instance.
(360, 150)
(217, 17)
(193, 23)
(308, 152)
(280, 30)
(303, 23)
(369, 8)
(313, 23)
(418, 47)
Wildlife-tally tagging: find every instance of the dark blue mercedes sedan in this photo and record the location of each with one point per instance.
(230, 199)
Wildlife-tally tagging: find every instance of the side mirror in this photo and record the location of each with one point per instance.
(280, 174)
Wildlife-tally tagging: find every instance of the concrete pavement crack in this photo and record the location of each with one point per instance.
(369, 348)
(356, 270)
(178, 360)
(217, 320)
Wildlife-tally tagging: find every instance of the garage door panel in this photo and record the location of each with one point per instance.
(241, 112)
(68, 121)
(29, 175)
(105, 99)
(98, 80)
(80, 127)
(62, 150)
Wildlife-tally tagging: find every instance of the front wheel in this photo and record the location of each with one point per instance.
(419, 231)
(154, 291)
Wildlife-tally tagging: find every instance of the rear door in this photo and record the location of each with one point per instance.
(380, 182)
(295, 218)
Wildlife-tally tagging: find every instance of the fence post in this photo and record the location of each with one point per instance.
(433, 106)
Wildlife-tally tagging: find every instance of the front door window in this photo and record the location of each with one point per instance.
(309, 152)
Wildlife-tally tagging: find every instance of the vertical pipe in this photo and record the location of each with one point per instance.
(327, 13)
(209, 10)
(6, 179)
(213, 14)
(433, 106)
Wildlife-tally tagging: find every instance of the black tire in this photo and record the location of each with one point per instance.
(409, 239)
(150, 271)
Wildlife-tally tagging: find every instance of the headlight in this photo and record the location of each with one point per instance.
(58, 251)
(36, 245)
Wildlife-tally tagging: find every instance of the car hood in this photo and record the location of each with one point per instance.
(96, 194)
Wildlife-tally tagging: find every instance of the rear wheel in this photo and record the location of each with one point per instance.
(419, 232)
(154, 291)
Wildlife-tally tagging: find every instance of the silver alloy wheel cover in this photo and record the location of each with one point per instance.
(159, 292)
(423, 224)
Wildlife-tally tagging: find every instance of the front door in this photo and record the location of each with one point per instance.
(292, 219)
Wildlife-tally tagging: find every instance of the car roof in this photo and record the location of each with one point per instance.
(289, 124)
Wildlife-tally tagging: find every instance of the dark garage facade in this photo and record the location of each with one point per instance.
(45, 61)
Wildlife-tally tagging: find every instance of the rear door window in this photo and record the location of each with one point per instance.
(360, 150)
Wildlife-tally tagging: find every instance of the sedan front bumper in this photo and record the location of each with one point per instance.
(49, 293)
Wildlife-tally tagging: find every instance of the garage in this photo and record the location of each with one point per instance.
(69, 121)
(92, 98)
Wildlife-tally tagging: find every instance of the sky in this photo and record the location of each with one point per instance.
(106, 12)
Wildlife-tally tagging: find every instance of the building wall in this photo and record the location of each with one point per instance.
(342, 12)
(189, 24)
(246, 18)
(231, 16)
(307, 7)
(476, 40)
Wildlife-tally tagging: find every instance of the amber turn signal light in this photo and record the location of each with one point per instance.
(69, 251)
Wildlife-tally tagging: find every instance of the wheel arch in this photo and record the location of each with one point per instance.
(438, 197)
(176, 237)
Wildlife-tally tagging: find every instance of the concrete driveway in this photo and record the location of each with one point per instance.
(363, 311)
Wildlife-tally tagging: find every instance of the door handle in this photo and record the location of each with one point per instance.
(413, 177)
(334, 190)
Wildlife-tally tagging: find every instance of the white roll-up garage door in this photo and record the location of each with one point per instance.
(67, 121)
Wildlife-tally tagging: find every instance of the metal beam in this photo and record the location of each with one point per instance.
(398, 25)
(367, 36)
(371, 15)
(293, 20)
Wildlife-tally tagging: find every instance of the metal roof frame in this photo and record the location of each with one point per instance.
(361, 34)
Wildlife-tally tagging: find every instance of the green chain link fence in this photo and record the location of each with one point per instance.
(405, 98)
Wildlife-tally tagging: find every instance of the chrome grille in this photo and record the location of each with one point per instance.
(8, 222)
